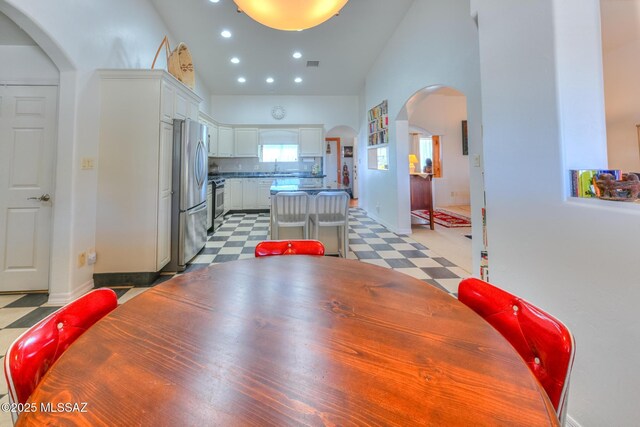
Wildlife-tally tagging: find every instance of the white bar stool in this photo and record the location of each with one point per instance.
(290, 209)
(332, 210)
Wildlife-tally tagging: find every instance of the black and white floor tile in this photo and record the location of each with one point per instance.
(236, 239)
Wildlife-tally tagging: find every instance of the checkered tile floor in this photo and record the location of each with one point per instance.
(236, 239)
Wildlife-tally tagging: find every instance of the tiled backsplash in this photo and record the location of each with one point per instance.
(254, 165)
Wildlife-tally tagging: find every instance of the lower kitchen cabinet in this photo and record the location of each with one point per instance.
(209, 206)
(263, 199)
(248, 193)
(234, 201)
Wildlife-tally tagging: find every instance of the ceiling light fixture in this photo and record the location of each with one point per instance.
(235, 60)
(241, 80)
(214, 1)
(290, 15)
(226, 34)
(297, 55)
(270, 80)
(298, 80)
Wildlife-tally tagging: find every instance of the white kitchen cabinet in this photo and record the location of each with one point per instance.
(225, 141)
(249, 193)
(209, 206)
(163, 253)
(246, 142)
(134, 211)
(213, 140)
(263, 198)
(212, 131)
(226, 200)
(234, 200)
(310, 142)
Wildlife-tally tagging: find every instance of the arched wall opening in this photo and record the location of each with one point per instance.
(342, 164)
(436, 116)
(61, 259)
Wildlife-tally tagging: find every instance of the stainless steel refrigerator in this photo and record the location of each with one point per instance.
(189, 197)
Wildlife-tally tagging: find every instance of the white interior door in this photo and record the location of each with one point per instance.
(331, 163)
(28, 116)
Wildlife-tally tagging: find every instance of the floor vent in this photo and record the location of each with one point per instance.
(313, 63)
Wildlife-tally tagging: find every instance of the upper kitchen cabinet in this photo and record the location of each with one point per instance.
(246, 144)
(134, 213)
(310, 142)
(212, 131)
(225, 141)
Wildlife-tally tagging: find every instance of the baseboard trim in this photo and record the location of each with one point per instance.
(570, 422)
(62, 298)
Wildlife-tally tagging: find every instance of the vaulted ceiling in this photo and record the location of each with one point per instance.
(346, 46)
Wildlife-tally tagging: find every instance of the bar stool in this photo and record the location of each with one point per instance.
(332, 210)
(290, 209)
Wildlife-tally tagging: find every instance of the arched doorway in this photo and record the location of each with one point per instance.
(435, 120)
(341, 158)
(44, 72)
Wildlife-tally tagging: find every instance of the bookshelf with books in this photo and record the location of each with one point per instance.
(378, 125)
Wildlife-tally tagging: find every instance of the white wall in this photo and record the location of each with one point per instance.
(622, 92)
(329, 111)
(542, 105)
(442, 115)
(435, 44)
(81, 37)
(28, 64)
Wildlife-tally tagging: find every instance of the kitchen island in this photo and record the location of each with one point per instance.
(311, 186)
(329, 236)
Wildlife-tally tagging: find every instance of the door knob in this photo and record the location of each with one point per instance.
(43, 198)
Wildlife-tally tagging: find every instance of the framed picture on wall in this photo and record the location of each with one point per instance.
(347, 151)
(465, 139)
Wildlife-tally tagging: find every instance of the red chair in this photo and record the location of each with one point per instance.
(545, 344)
(289, 247)
(32, 353)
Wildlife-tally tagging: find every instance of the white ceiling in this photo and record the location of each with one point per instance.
(346, 46)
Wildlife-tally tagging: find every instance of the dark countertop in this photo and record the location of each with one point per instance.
(310, 187)
(228, 175)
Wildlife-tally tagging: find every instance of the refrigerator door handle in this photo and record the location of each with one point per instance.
(198, 210)
(199, 160)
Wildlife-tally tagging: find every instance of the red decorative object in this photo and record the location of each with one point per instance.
(545, 344)
(32, 353)
(289, 247)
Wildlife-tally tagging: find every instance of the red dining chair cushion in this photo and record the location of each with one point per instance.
(545, 344)
(289, 247)
(33, 352)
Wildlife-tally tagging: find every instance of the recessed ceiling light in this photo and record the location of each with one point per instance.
(298, 80)
(297, 55)
(226, 34)
(241, 80)
(235, 60)
(270, 80)
(214, 1)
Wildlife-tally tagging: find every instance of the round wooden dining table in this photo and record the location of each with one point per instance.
(291, 340)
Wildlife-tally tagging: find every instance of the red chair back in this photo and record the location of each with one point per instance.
(545, 344)
(289, 247)
(33, 352)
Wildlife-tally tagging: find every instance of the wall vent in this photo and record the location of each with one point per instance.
(313, 63)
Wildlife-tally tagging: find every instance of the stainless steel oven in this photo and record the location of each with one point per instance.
(218, 202)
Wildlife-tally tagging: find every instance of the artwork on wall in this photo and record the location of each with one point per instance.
(465, 139)
(347, 151)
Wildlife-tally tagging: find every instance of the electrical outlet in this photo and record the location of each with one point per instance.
(91, 256)
(87, 163)
(82, 259)
(256, 167)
